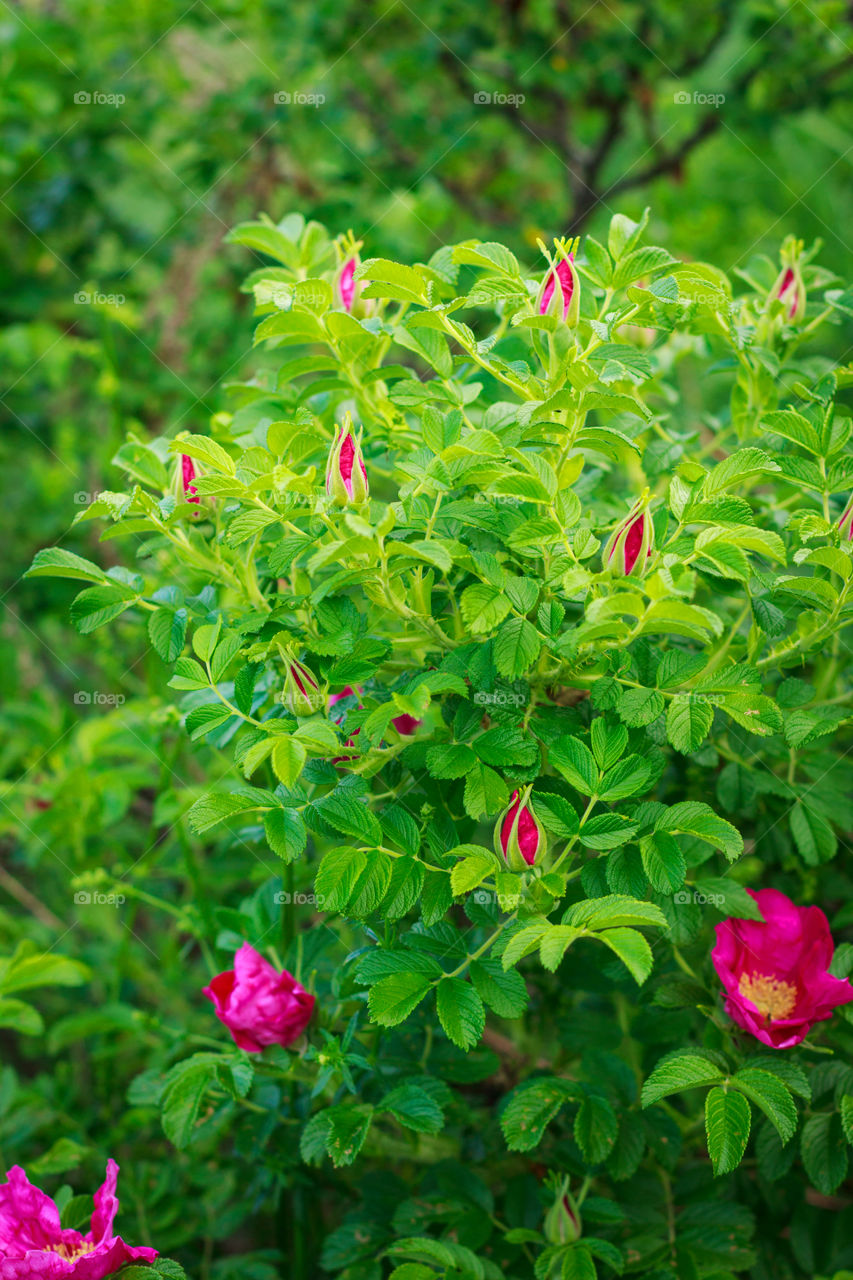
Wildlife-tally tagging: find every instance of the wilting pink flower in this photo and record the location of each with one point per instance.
(631, 542)
(188, 474)
(845, 524)
(775, 971)
(346, 475)
(259, 1005)
(519, 837)
(33, 1244)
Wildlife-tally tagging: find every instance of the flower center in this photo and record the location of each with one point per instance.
(773, 998)
(69, 1252)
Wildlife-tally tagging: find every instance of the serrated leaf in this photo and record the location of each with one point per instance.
(727, 1123)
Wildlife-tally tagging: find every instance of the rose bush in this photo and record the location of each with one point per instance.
(506, 612)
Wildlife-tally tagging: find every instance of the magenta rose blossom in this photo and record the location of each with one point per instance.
(775, 971)
(34, 1245)
(259, 1005)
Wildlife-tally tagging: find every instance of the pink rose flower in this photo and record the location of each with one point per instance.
(259, 1005)
(33, 1245)
(775, 971)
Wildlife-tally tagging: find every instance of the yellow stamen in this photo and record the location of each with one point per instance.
(772, 997)
(70, 1252)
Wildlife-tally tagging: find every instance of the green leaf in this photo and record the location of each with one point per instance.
(824, 1151)
(516, 647)
(614, 911)
(676, 1073)
(574, 760)
(741, 466)
(688, 721)
(54, 562)
(97, 606)
(337, 878)
(450, 760)
(471, 871)
(288, 759)
(348, 815)
(628, 778)
(167, 629)
(483, 607)
(285, 833)
(182, 1102)
(529, 1109)
(663, 861)
(753, 711)
(771, 1096)
(460, 1012)
(727, 1123)
(694, 818)
(632, 949)
(216, 806)
(392, 999)
(595, 1128)
(814, 837)
(639, 707)
(414, 1108)
(504, 991)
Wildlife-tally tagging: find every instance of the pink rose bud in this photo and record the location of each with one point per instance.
(789, 288)
(519, 836)
(631, 542)
(259, 1005)
(34, 1244)
(301, 693)
(346, 476)
(347, 290)
(345, 282)
(775, 971)
(845, 524)
(560, 292)
(188, 474)
(563, 1220)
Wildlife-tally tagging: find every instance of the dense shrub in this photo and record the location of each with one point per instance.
(509, 677)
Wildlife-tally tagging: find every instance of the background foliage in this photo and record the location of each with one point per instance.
(130, 202)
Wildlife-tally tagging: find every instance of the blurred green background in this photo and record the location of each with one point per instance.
(136, 134)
